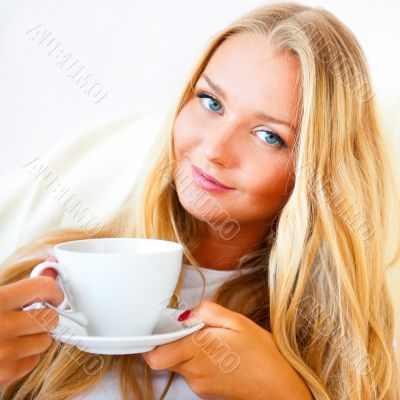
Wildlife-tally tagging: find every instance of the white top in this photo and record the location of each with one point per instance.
(108, 387)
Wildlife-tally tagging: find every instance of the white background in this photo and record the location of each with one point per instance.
(139, 52)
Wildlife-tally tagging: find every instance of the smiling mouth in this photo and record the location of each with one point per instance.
(208, 182)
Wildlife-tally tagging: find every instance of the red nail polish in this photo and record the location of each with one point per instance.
(184, 315)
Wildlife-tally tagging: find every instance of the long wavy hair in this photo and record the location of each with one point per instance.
(322, 291)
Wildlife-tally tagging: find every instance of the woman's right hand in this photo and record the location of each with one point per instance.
(24, 334)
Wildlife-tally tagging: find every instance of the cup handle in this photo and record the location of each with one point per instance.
(62, 279)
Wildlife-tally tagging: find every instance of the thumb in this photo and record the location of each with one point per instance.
(213, 315)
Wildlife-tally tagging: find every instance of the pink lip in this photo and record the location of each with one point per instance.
(207, 182)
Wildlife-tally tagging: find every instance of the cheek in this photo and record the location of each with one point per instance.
(185, 134)
(270, 185)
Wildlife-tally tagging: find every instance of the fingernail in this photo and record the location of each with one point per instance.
(184, 315)
(51, 258)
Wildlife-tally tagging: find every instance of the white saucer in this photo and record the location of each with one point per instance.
(168, 329)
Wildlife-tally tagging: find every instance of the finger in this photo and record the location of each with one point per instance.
(27, 291)
(24, 366)
(31, 345)
(25, 346)
(168, 355)
(214, 315)
(20, 323)
(51, 272)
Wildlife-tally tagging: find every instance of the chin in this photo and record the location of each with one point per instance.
(210, 213)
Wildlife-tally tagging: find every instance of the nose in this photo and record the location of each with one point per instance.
(221, 146)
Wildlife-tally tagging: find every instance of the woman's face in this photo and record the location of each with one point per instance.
(222, 133)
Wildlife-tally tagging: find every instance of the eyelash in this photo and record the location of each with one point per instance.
(282, 144)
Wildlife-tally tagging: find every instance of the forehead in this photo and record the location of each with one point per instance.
(255, 77)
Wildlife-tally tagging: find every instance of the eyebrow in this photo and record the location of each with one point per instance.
(260, 115)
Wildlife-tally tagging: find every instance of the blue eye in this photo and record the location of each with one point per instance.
(275, 138)
(214, 103)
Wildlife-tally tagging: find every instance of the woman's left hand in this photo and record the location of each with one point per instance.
(230, 358)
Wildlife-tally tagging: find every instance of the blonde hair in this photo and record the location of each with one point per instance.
(322, 291)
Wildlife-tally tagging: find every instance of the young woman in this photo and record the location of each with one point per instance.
(292, 243)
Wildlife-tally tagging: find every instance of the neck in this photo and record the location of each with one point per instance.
(216, 252)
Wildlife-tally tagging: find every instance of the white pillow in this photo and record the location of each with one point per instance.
(80, 182)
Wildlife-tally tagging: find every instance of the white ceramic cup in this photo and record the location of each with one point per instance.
(115, 286)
